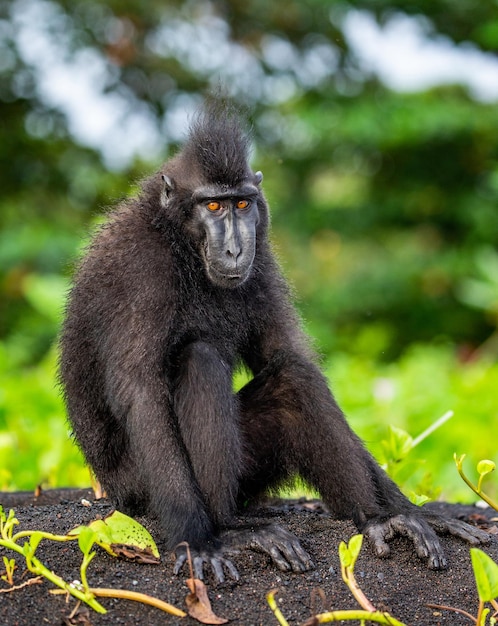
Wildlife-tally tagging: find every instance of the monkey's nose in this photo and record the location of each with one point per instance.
(234, 252)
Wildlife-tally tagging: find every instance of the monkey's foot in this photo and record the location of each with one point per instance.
(421, 531)
(279, 544)
(211, 558)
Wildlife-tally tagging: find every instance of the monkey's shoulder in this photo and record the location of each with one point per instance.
(126, 244)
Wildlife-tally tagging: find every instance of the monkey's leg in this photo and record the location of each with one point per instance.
(207, 413)
(104, 442)
(291, 423)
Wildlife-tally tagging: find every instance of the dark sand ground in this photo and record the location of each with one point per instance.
(401, 584)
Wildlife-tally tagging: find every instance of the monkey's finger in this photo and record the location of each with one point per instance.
(296, 555)
(376, 535)
(292, 549)
(278, 559)
(304, 557)
(217, 569)
(425, 540)
(462, 530)
(198, 563)
(179, 563)
(472, 535)
(232, 570)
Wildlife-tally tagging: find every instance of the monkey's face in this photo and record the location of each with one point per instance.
(223, 224)
(227, 221)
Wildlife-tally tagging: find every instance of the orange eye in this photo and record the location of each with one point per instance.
(242, 204)
(213, 206)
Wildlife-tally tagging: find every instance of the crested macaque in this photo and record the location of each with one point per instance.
(178, 289)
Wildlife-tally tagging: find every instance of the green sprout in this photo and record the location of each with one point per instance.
(86, 539)
(486, 577)
(27, 549)
(484, 468)
(348, 554)
(118, 534)
(10, 566)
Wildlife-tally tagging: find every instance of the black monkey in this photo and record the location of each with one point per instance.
(177, 289)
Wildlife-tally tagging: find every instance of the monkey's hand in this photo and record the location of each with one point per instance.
(279, 544)
(421, 529)
(212, 558)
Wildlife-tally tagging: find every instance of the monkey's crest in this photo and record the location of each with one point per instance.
(217, 145)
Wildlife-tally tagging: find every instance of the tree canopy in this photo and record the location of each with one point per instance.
(384, 202)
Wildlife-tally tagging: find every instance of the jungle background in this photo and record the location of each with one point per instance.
(376, 126)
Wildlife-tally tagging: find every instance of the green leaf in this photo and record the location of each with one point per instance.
(354, 547)
(344, 554)
(27, 550)
(486, 575)
(34, 540)
(349, 553)
(418, 499)
(119, 529)
(86, 539)
(11, 518)
(485, 467)
(398, 444)
(8, 563)
(125, 530)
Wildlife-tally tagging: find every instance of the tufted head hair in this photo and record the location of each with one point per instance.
(217, 148)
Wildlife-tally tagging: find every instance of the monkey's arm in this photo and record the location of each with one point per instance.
(317, 442)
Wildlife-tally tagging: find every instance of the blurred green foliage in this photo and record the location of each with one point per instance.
(35, 446)
(384, 204)
(411, 393)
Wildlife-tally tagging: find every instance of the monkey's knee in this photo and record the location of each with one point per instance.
(200, 359)
(204, 382)
(200, 350)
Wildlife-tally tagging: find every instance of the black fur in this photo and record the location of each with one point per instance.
(218, 146)
(149, 346)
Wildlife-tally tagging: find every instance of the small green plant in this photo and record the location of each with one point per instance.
(397, 446)
(485, 573)
(484, 467)
(484, 568)
(348, 554)
(486, 577)
(118, 534)
(10, 566)
(27, 549)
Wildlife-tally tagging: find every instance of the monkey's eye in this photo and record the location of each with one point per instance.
(242, 204)
(213, 205)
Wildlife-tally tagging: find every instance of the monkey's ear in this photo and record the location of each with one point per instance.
(168, 188)
(258, 178)
(169, 185)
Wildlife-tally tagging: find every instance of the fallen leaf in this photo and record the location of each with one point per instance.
(135, 553)
(198, 604)
(79, 617)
